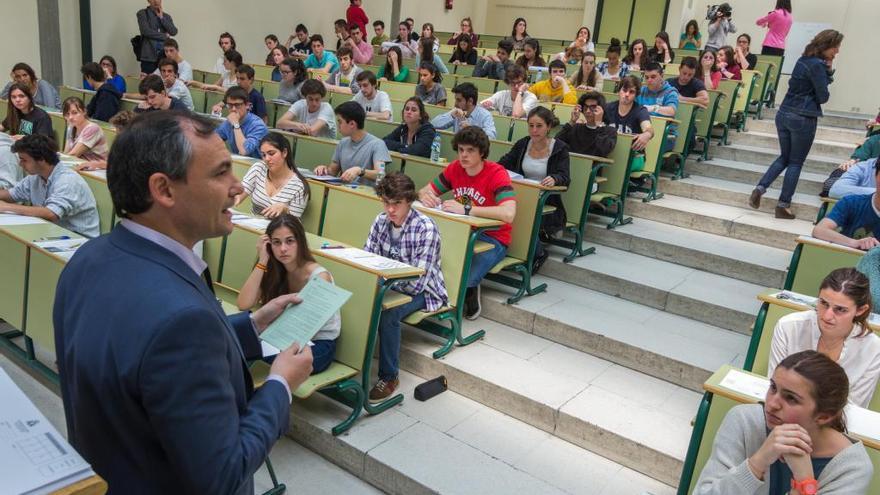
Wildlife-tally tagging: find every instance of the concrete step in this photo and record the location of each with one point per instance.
(853, 137)
(661, 344)
(730, 193)
(770, 140)
(742, 260)
(730, 221)
(814, 163)
(748, 173)
(707, 297)
(829, 119)
(452, 444)
(628, 417)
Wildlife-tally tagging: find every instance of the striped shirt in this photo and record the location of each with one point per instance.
(293, 194)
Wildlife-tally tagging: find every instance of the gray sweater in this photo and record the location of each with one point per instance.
(718, 33)
(742, 433)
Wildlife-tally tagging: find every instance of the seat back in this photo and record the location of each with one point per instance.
(730, 88)
(775, 72)
(311, 218)
(104, 203)
(576, 198)
(379, 128)
(398, 90)
(750, 79)
(527, 219)
(654, 150)
(483, 84)
(813, 265)
(349, 214)
(685, 115)
(421, 170)
(706, 116)
(311, 152)
(618, 172)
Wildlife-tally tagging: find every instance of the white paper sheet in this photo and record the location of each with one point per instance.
(747, 384)
(437, 209)
(863, 422)
(10, 219)
(366, 259)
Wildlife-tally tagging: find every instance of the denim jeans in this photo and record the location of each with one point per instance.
(323, 353)
(389, 336)
(796, 134)
(483, 262)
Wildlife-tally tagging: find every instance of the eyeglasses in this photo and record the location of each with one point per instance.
(233, 106)
(286, 72)
(590, 108)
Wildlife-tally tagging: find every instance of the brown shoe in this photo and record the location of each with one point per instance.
(755, 199)
(382, 390)
(784, 213)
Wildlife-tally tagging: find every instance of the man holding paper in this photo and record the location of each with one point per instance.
(154, 377)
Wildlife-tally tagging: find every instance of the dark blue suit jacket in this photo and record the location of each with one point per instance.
(153, 375)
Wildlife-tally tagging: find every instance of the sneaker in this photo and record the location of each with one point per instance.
(383, 389)
(755, 198)
(472, 303)
(539, 260)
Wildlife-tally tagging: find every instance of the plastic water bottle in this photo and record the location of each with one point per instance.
(435, 149)
(380, 172)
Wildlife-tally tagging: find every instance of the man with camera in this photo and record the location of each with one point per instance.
(720, 25)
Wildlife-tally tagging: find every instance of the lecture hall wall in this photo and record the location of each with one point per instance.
(114, 23)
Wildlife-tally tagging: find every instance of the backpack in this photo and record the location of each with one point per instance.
(136, 44)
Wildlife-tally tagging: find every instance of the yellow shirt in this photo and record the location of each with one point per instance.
(546, 92)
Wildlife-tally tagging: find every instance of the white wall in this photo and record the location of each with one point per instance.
(20, 31)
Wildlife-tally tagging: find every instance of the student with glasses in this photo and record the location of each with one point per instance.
(242, 130)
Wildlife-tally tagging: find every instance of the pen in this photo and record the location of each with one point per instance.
(53, 238)
(332, 247)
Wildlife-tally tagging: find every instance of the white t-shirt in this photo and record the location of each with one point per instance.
(218, 66)
(502, 102)
(300, 112)
(381, 102)
(860, 357)
(184, 71)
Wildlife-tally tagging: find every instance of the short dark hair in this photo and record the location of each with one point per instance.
(316, 37)
(430, 67)
(271, 37)
(629, 82)
(167, 61)
(340, 23)
(122, 120)
(312, 87)
(233, 56)
(397, 186)
(598, 97)
(153, 82)
(247, 70)
(159, 143)
(506, 45)
(368, 76)
(40, 147)
(301, 28)
(353, 26)
(653, 66)
(557, 64)
(467, 91)
(228, 36)
(474, 136)
(352, 111)
(689, 62)
(171, 42)
(235, 93)
(92, 71)
(379, 23)
(514, 72)
(344, 51)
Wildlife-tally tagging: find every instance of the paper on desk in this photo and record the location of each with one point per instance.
(62, 247)
(36, 458)
(100, 173)
(438, 209)
(862, 422)
(9, 219)
(300, 322)
(747, 384)
(308, 174)
(239, 218)
(366, 259)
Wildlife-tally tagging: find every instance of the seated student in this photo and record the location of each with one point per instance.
(613, 68)
(57, 194)
(627, 116)
(379, 31)
(660, 99)
(467, 31)
(556, 88)
(728, 68)
(153, 89)
(690, 89)
(428, 33)
(794, 442)
(278, 54)
(284, 266)
(108, 64)
(592, 136)
(293, 75)
(465, 53)
(495, 66)
(359, 156)
(518, 35)
(172, 52)
(407, 46)
(480, 188)
(84, 139)
(587, 78)
(320, 59)
(107, 99)
(707, 71)
(274, 184)
(362, 52)
(416, 134)
(860, 178)
(466, 112)
(867, 150)
(661, 52)
(516, 101)
(853, 221)
(375, 102)
(303, 47)
(271, 42)
(343, 79)
(311, 115)
(226, 43)
(745, 59)
(838, 328)
(242, 130)
(175, 85)
(429, 89)
(427, 53)
(10, 171)
(572, 55)
(409, 236)
(637, 56)
(231, 62)
(531, 55)
(412, 34)
(544, 159)
(340, 26)
(393, 70)
(244, 76)
(120, 122)
(23, 117)
(44, 93)
(582, 40)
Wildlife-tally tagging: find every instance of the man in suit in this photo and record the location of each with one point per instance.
(154, 379)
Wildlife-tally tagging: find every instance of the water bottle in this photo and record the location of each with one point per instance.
(380, 172)
(435, 149)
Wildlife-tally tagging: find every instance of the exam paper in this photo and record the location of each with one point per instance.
(10, 219)
(239, 218)
(747, 384)
(366, 259)
(438, 209)
(300, 322)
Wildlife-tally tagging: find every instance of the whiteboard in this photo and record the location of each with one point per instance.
(798, 38)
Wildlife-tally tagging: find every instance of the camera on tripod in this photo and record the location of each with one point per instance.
(713, 10)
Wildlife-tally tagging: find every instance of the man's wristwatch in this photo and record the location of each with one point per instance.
(362, 172)
(808, 486)
(236, 126)
(467, 209)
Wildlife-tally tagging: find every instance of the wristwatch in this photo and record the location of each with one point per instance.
(236, 126)
(808, 486)
(467, 209)
(362, 172)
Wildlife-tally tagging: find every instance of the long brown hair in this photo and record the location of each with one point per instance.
(854, 285)
(70, 102)
(830, 388)
(12, 122)
(280, 143)
(826, 39)
(274, 282)
(578, 77)
(631, 56)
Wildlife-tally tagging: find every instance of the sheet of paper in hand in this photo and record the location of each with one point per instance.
(300, 322)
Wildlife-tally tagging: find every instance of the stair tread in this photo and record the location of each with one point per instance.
(752, 167)
(739, 187)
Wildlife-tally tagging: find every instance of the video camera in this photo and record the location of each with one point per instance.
(713, 10)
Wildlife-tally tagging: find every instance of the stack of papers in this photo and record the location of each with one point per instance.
(239, 218)
(36, 458)
(10, 219)
(61, 247)
(747, 384)
(438, 209)
(366, 259)
(308, 174)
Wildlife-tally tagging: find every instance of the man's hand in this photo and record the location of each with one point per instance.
(321, 170)
(865, 243)
(487, 104)
(428, 198)
(576, 115)
(641, 141)
(351, 174)
(293, 365)
(453, 206)
(599, 114)
(272, 309)
(233, 118)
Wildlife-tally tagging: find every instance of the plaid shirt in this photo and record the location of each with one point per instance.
(419, 245)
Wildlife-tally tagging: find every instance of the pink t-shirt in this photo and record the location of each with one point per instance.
(778, 23)
(93, 138)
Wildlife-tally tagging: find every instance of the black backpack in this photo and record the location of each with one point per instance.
(136, 44)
